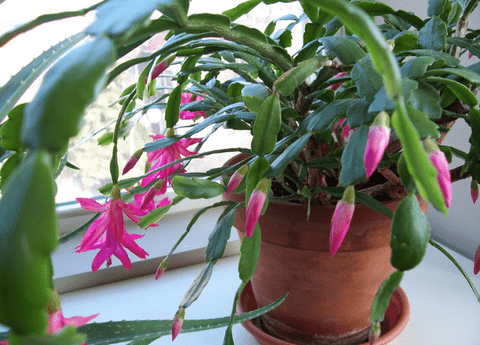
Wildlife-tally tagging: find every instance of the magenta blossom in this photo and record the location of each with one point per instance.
(439, 161)
(190, 115)
(166, 155)
(178, 322)
(378, 138)
(108, 233)
(255, 205)
(474, 190)
(341, 219)
(161, 67)
(237, 178)
(132, 161)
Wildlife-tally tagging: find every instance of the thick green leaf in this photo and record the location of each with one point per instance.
(323, 163)
(410, 234)
(253, 95)
(27, 205)
(249, 254)
(416, 68)
(10, 130)
(465, 43)
(346, 50)
(383, 295)
(266, 126)
(353, 168)
(373, 204)
(241, 9)
(323, 119)
(153, 216)
(256, 172)
(172, 112)
(416, 159)
(424, 126)
(367, 79)
(405, 40)
(122, 331)
(461, 71)
(435, 7)
(198, 285)
(141, 80)
(474, 116)
(310, 10)
(9, 166)
(217, 241)
(11, 92)
(460, 90)
(68, 88)
(427, 100)
(433, 35)
(358, 114)
(437, 55)
(175, 9)
(67, 335)
(383, 102)
(196, 188)
(292, 151)
(291, 79)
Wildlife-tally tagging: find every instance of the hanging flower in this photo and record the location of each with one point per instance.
(108, 233)
(341, 219)
(474, 190)
(166, 155)
(161, 67)
(178, 322)
(132, 161)
(190, 115)
(439, 161)
(237, 178)
(476, 263)
(161, 269)
(378, 138)
(255, 205)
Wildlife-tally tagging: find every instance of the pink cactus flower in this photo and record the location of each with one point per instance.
(439, 161)
(336, 86)
(378, 139)
(108, 233)
(190, 115)
(166, 155)
(178, 322)
(132, 161)
(474, 190)
(237, 178)
(255, 205)
(476, 264)
(341, 219)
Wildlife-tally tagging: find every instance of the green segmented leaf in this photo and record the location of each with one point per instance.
(289, 80)
(437, 55)
(28, 204)
(68, 88)
(11, 92)
(256, 172)
(410, 234)
(292, 151)
(241, 9)
(196, 188)
(353, 168)
(416, 67)
(367, 79)
(154, 216)
(433, 35)
(323, 119)
(121, 331)
(383, 295)
(266, 126)
(141, 80)
(424, 126)
(172, 112)
(460, 90)
(10, 130)
(249, 254)
(217, 241)
(346, 50)
(425, 98)
(435, 7)
(198, 285)
(462, 72)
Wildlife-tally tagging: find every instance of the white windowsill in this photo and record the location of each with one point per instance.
(443, 308)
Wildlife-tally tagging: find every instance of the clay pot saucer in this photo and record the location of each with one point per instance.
(396, 318)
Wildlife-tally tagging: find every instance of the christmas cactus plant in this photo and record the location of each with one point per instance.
(357, 115)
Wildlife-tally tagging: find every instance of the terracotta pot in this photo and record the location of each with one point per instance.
(329, 300)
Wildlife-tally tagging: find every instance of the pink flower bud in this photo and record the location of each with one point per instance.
(336, 86)
(341, 219)
(470, 55)
(161, 67)
(476, 264)
(161, 269)
(178, 322)
(374, 333)
(439, 161)
(378, 139)
(132, 161)
(255, 205)
(237, 178)
(154, 190)
(474, 190)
